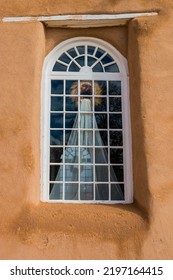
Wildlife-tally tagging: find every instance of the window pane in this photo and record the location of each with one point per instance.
(115, 121)
(71, 120)
(101, 173)
(71, 156)
(81, 49)
(59, 67)
(56, 137)
(116, 155)
(101, 155)
(72, 87)
(86, 155)
(56, 103)
(107, 59)
(91, 50)
(71, 104)
(86, 121)
(72, 52)
(98, 67)
(101, 121)
(57, 87)
(71, 137)
(91, 60)
(86, 88)
(65, 58)
(71, 191)
(100, 88)
(56, 120)
(115, 104)
(117, 191)
(99, 53)
(112, 68)
(86, 138)
(86, 173)
(86, 191)
(115, 87)
(56, 191)
(71, 173)
(56, 155)
(56, 173)
(116, 138)
(100, 104)
(81, 61)
(73, 67)
(101, 138)
(102, 192)
(118, 171)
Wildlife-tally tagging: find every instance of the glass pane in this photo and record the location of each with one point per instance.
(101, 155)
(101, 121)
(91, 50)
(71, 156)
(99, 53)
(115, 121)
(116, 155)
(91, 60)
(101, 138)
(56, 173)
(56, 103)
(56, 137)
(71, 104)
(112, 68)
(81, 49)
(115, 104)
(57, 87)
(86, 173)
(102, 192)
(86, 191)
(59, 67)
(100, 88)
(107, 59)
(86, 121)
(116, 138)
(56, 120)
(86, 155)
(64, 58)
(101, 173)
(71, 173)
(71, 137)
(72, 87)
(98, 67)
(115, 87)
(86, 88)
(56, 191)
(118, 172)
(86, 138)
(71, 191)
(81, 61)
(117, 191)
(56, 155)
(100, 104)
(71, 120)
(73, 67)
(72, 52)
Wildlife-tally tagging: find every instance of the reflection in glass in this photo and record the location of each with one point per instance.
(58, 192)
(71, 191)
(81, 61)
(86, 191)
(56, 137)
(115, 104)
(116, 138)
(102, 192)
(57, 86)
(86, 138)
(71, 156)
(115, 87)
(86, 155)
(115, 121)
(114, 194)
(81, 49)
(72, 52)
(71, 173)
(56, 120)
(56, 103)
(91, 50)
(86, 173)
(116, 155)
(56, 155)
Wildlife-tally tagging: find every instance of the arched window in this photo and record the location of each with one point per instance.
(86, 139)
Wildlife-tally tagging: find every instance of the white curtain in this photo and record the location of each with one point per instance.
(84, 122)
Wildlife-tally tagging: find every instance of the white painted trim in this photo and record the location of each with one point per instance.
(81, 21)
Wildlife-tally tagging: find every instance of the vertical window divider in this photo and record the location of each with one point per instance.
(93, 106)
(108, 131)
(64, 148)
(79, 146)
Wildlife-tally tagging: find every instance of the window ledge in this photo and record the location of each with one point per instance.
(82, 21)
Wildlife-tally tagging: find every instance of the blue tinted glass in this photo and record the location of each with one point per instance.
(59, 67)
(73, 67)
(81, 49)
(69, 120)
(115, 87)
(57, 87)
(56, 103)
(91, 60)
(98, 67)
(56, 120)
(56, 137)
(91, 50)
(107, 59)
(70, 104)
(67, 136)
(72, 87)
(72, 52)
(112, 68)
(80, 60)
(65, 58)
(99, 53)
(115, 104)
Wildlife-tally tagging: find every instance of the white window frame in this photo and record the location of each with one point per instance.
(47, 74)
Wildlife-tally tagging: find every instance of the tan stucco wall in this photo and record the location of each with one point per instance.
(33, 230)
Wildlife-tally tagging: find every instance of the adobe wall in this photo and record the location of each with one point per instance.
(33, 230)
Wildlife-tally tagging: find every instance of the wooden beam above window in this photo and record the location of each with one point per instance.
(82, 21)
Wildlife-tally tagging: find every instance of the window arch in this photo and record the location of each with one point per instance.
(86, 136)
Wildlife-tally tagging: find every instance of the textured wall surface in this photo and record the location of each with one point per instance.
(30, 229)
